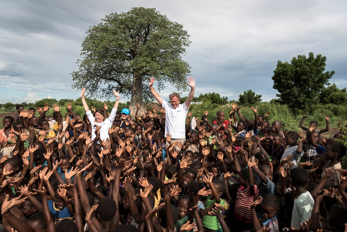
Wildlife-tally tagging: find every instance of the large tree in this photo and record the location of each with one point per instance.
(125, 49)
(301, 81)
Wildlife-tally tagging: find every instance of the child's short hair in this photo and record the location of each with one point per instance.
(194, 187)
(162, 214)
(39, 218)
(196, 164)
(192, 171)
(219, 184)
(187, 197)
(170, 170)
(155, 182)
(19, 106)
(271, 200)
(14, 162)
(299, 176)
(126, 228)
(9, 117)
(42, 121)
(340, 210)
(339, 148)
(107, 209)
(65, 157)
(66, 225)
(293, 134)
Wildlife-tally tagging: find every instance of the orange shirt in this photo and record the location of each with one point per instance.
(3, 137)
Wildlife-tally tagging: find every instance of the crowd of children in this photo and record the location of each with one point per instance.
(108, 171)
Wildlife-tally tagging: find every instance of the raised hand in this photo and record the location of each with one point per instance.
(191, 82)
(56, 107)
(144, 193)
(172, 180)
(33, 148)
(151, 81)
(143, 182)
(208, 178)
(257, 201)
(62, 193)
(8, 204)
(3, 159)
(175, 191)
(111, 177)
(116, 94)
(82, 92)
(326, 118)
(7, 170)
(48, 154)
(220, 156)
(89, 214)
(188, 226)
(204, 192)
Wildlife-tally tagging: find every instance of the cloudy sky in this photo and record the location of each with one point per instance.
(235, 44)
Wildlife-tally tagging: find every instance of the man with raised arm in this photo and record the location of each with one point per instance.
(175, 112)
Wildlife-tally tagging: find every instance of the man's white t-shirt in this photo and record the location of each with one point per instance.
(175, 120)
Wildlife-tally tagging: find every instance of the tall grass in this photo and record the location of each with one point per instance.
(279, 112)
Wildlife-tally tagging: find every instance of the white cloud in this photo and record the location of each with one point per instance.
(49, 97)
(32, 97)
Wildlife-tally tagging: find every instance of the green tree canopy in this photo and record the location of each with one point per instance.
(249, 98)
(333, 95)
(125, 49)
(213, 98)
(301, 81)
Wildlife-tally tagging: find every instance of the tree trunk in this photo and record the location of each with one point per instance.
(136, 95)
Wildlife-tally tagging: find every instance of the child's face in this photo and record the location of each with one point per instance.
(138, 130)
(290, 141)
(221, 117)
(64, 166)
(313, 125)
(188, 177)
(329, 153)
(264, 125)
(45, 125)
(240, 126)
(7, 123)
(267, 172)
(59, 203)
(27, 208)
(33, 121)
(277, 141)
(183, 207)
(276, 126)
(268, 211)
(315, 137)
(18, 128)
(125, 202)
(194, 139)
(20, 109)
(215, 171)
(39, 159)
(260, 120)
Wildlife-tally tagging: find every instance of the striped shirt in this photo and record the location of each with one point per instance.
(244, 200)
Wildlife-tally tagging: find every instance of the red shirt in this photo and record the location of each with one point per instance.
(225, 124)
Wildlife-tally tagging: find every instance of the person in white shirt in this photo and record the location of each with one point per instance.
(100, 119)
(175, 112)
